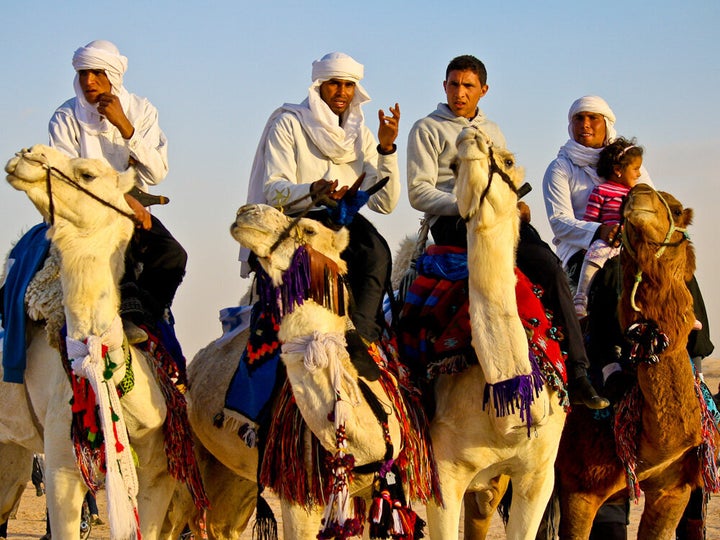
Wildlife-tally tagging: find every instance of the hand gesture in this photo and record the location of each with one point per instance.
(328, 188)
(388, 129)
(110, 107)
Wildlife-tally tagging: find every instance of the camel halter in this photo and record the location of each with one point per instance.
(494, 168)
(661, 247)
(50, 170)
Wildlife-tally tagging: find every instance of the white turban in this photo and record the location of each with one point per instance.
(340, 144)
(594, 104)
(100, 54)
(104, 55)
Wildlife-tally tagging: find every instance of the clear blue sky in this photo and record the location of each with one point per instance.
(217, 69)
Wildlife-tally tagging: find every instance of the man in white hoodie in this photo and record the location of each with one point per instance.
(431, 169)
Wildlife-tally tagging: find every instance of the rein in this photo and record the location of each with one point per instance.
(661, 248)
(50, 170)
(493, 169)
(319, 197)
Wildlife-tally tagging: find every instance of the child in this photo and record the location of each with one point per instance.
(619, 164)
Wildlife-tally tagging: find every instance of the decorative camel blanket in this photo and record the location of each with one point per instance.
(90, 439)
(434, 330)
(257, 376)
(26, 257)
(284, 462)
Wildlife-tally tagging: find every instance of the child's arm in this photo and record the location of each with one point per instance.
(594, 206)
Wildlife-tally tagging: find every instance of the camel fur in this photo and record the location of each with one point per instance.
(668, 463)
(473, 447)
(90, 239)
(258, 227)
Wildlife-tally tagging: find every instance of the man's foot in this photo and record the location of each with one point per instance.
(134, 333)
(581, 392)
(95, 520)
(360, 357)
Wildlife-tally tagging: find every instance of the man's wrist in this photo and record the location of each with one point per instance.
(387, 152)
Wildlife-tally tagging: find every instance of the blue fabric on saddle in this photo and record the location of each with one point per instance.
(26, 258)
(255, 377)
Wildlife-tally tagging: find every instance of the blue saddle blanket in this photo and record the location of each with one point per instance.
(26, 258)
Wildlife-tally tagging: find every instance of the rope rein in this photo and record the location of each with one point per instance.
(50, 170)
(661, 248)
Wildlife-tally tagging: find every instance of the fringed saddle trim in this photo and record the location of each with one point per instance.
(628, 425)
(516, 393)
(310, 276)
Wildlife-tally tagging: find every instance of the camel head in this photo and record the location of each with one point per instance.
(28, 171)
(487, 178)
(655, 231)
(274, 237)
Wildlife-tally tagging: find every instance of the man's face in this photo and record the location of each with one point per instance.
(338, 94)
(463, 90)
(588, 129)
(93, 83)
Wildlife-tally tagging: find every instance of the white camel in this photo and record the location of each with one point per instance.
(90, 239)
(305, 330)
(473, 445)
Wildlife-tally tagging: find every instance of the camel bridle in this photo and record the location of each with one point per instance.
(493, 169)
(666, 243)
(52, 170)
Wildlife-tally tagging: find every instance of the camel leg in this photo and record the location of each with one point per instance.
(662, 513)
(480, 507)
(145, 410)
(444, 523)
(299, 522)
(15, 468)
(64, 491)
(577, 512)
(530, 495)
(232, 502)
(64, 487)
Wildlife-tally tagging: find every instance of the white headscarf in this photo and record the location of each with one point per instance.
(320, 123)
(104, 55)
(584, 156)
(594, 104)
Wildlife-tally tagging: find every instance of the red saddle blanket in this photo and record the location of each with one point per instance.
(434, 332)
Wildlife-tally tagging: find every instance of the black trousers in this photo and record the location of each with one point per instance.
(369, 262)
(539, 263)
(163, 262)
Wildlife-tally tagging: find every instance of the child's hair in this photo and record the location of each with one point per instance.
(618, 153)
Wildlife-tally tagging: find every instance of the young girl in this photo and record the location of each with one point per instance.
(619, 164)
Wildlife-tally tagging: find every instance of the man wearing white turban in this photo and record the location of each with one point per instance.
(309, 146)
(105, 121)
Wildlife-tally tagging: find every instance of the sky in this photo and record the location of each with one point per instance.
(217, 69)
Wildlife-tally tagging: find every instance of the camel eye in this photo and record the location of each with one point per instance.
(86, 175)
(509, 162)
(308, 231)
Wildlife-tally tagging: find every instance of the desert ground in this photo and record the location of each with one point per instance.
(29, 523)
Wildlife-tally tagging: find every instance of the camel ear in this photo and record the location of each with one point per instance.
(342, 239)
(126, 180)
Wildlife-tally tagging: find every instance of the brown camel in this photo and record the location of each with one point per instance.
(662, 430)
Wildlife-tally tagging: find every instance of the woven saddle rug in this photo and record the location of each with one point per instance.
(434, 332)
